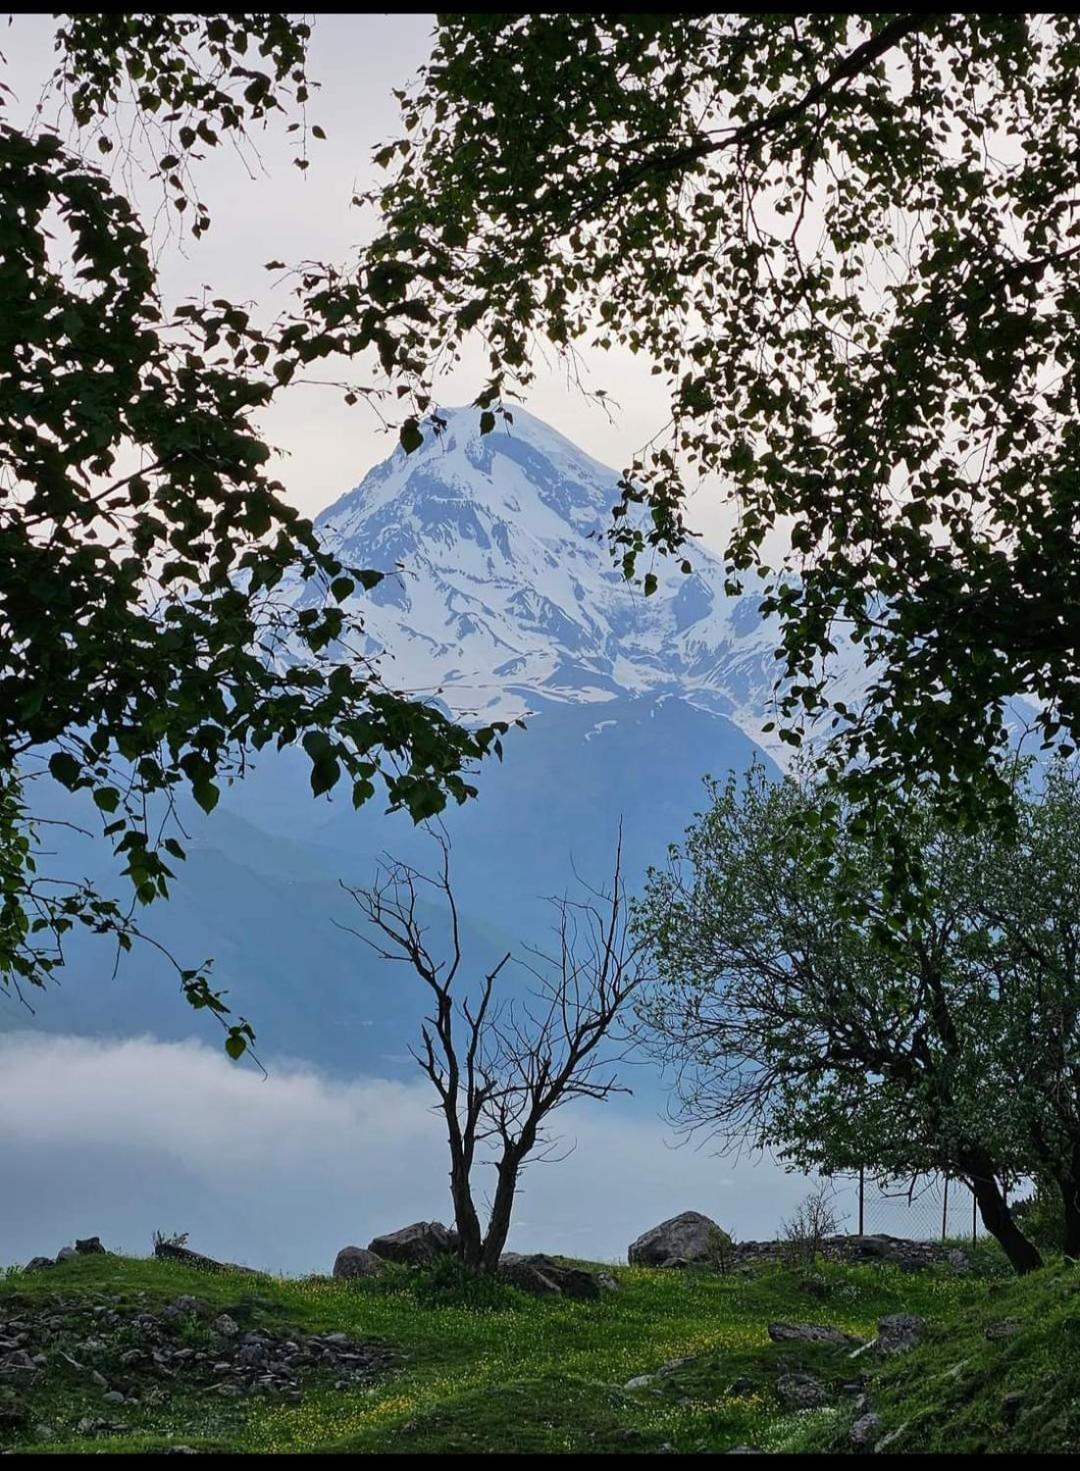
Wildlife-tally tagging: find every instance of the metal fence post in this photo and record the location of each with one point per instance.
(862, 1198)
(945, 1209)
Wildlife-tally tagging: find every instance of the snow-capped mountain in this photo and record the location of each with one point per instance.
(506, 596)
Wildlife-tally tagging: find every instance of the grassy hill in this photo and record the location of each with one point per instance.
(485, 1368)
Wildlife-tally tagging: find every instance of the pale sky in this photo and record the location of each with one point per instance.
(284, 214)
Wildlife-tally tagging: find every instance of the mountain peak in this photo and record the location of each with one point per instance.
(503, 595)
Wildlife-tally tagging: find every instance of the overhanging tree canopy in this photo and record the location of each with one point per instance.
(143, 647)
(850, 245)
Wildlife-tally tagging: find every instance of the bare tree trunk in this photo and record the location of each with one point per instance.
(509, 1168)
(1023, 1255)
(466, 1220)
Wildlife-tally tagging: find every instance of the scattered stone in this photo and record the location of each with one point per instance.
(866, 1431)
(197, 1305)
(801, 1391)
(114, 1397)
(641, 1381)
(812, 1333)
(417, 1244)
(607, 1282)
(898, 1333)
(744, 1450)
(226, 1326)
(357, 1261)
(90, 1247)
(1011, 1405)
(65, 1254)
(39, 1263)
(687, 1240)
(1004, 1328)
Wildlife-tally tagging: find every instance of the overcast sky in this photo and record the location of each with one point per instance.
(281, 213)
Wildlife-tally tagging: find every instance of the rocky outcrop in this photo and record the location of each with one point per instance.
(167, 1251)
(813, 1333)
(357, 1261)
(544, 1277)
(897, 1251)
(143, 1350)
(415, 1245)
(687, 1240)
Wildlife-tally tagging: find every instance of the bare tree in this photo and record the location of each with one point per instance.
(502, 1064)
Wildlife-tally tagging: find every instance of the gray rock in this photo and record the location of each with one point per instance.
(687, 1240)
(1011, 1405)
(226, 1326)
(65, 1254)
(414, 1245)
(866, 1431)
(39, 1263)
(544, 1277)
(801, 1391)
(607, 1282)
(91, 1246)
(899, 1333)
(744, 1450)
(889, 1440)
(812, 1333)
(1004, 1328)
(357, 1261)
(113, 1397)
(197, 1305)
(640, 1381)
(742, 1385)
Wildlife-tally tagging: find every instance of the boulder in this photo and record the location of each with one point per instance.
(544, 1277)
(90, 1247)
(65, 1254)
(801, 1391)
(1011, 1406)
(898, 1333)
(357, 1261)
(414, 1245)
(866, 1431)
(687, 1240)
(166, 1251)
(39, 1263)
(1004, 1328)
(812, 1333)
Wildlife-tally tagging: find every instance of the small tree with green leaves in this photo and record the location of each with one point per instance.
(799, 1006)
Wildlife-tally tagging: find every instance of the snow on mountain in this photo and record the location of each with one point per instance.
(503, 592)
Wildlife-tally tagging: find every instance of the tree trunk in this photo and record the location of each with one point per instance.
(1069, 1185)
(1023, 1255)
(499, 1224)
(466, 1221)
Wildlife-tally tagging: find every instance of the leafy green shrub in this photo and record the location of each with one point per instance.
(1041, 1216)
(448, 1282)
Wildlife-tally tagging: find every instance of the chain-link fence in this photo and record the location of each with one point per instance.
(932, 1208)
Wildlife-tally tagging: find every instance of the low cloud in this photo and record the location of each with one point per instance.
(119, 1138)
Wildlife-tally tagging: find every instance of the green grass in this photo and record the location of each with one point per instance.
(494, 1370)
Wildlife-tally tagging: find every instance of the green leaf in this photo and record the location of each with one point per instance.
(206, 794)
(65, 769)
